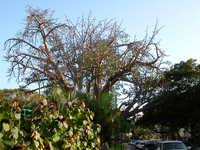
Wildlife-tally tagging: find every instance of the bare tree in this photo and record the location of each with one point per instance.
(87, 54)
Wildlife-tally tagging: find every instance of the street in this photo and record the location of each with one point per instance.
(129, 147)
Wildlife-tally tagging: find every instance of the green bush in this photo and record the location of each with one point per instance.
(107, 115)
(47, 126)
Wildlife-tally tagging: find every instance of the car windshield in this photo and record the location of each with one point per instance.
(139, 142)
(170, 146)
(150, 145)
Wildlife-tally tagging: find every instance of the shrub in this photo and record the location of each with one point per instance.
(107, 115)
(47, 126)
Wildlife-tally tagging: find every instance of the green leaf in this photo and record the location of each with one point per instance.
(1, 135)
(6, 127)
(56, 138)
(70, 132)
(84, 122)
(15, 132)
(17, 116)
(1, 116)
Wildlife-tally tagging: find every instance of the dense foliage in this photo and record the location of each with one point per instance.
(177, 105)
(108, 116)
(47, 126)
(20, 94)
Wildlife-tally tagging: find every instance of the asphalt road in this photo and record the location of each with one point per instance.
(129, 147)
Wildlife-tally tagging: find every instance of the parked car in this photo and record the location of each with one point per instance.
(150, 146)
(195, 148)
(139, 144)
(171, 145)
(132, 142)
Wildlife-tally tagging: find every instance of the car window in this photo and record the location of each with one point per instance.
(167, 146)
(179, 146)
(142, 143)
(170, 146)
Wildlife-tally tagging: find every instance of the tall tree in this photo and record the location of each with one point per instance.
(182, 76)
(87, 54)
(177, 104)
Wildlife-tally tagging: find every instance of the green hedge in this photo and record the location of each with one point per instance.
(48, 126)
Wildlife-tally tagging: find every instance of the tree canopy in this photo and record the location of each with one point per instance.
(87, 54)
(177, 105)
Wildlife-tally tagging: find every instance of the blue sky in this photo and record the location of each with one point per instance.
(179, 37)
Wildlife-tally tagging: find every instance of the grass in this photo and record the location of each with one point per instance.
(116, 146)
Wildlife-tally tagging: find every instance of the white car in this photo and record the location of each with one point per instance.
(139, 144)
(132, 142)
(171, 145)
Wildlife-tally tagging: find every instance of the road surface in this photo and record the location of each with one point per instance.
(129, 147)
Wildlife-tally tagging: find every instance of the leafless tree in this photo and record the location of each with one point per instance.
(87, 54)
